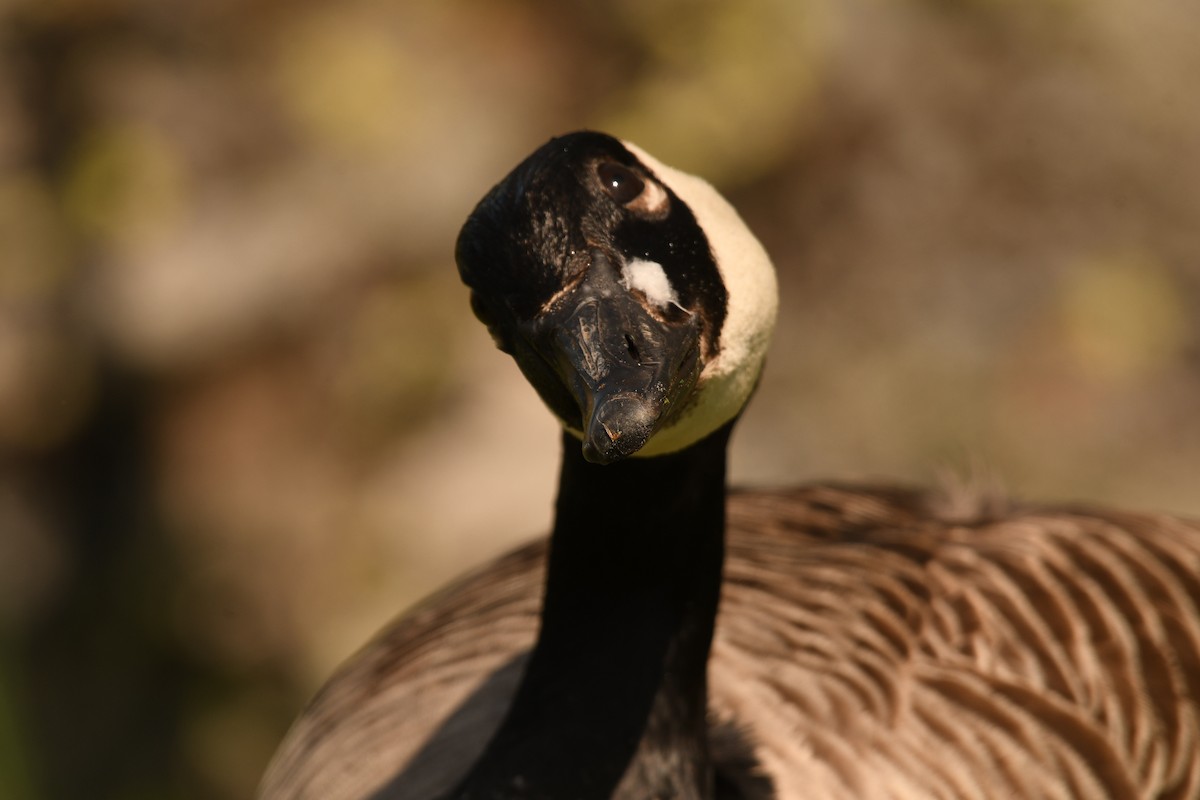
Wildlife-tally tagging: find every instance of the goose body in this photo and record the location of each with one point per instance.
(870, 642)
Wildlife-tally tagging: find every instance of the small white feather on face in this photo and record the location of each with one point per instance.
(649, 278)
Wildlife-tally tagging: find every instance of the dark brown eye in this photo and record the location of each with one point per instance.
(622, 184)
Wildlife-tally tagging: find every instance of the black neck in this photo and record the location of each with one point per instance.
(616, 683)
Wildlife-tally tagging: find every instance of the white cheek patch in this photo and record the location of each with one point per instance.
(649, 278)
(749, 279)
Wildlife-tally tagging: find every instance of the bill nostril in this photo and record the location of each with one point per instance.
(632, 347)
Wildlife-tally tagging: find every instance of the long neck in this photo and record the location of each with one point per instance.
(613, 700)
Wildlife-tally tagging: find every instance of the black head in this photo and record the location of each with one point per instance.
(590, 270)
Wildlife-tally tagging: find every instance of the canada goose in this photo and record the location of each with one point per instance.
(871, 642)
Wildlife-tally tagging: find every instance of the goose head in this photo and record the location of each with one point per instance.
(632, 296)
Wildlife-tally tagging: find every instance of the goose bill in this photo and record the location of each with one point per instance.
(628, 365)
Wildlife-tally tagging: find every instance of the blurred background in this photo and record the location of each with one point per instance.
(246, 415)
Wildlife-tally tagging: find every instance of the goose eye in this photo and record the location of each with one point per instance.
(621, 183)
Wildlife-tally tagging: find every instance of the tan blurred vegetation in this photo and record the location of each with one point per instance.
(245, 415)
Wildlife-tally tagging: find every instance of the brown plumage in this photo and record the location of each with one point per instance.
(869, 645)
